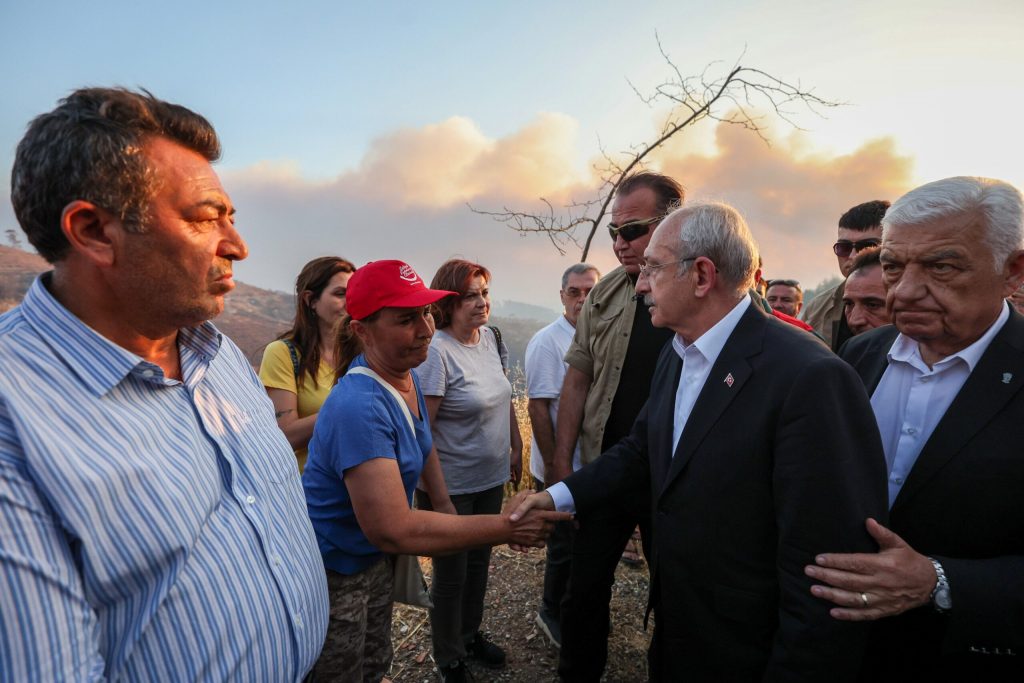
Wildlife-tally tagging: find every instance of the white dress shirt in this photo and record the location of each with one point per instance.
(911, 398)
(698, 359)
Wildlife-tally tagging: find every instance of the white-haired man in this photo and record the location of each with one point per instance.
(947, 383)
(545, 371)
(756, 443)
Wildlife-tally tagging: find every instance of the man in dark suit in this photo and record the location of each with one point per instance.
(946, 382)
(756, 445)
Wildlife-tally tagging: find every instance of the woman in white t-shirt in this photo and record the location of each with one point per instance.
(469, 399)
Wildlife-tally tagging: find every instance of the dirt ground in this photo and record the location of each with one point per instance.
(513, 595)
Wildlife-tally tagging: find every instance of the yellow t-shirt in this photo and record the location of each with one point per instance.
(277, 372)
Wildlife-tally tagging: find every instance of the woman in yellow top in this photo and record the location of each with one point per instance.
(298, 368)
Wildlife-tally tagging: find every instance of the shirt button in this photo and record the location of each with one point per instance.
(911, 431)
(925, 379)
(897, 480)
(251, 500)
(298, 621)
(276, 559)
(147, 373)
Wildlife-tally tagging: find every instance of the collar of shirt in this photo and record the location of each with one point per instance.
(711, 343)
(698, 359)
(906, 350)
(99, 363)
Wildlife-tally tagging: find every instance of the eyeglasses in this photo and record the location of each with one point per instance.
(843, 248)
(630, 231)
(648, 270)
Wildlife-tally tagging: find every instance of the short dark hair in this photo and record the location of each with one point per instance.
(454, 275)
(578, 269)
(864, 217)
(785, 283)
(866, 258)
(91, 148)
(669, 193)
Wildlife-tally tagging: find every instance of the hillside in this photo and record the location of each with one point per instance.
(252, 316)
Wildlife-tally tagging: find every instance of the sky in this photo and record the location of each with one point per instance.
(365, 129)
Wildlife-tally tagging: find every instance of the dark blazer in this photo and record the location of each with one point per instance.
(963, 503)
(779, 460)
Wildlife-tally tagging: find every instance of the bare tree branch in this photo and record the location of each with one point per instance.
(732, 96)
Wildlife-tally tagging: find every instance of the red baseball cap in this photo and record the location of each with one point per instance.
(380, 284)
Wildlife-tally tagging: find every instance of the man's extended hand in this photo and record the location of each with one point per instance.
(533, 517)
(869, 586)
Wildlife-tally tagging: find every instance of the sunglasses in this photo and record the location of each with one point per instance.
(630, 231)
(844, 248)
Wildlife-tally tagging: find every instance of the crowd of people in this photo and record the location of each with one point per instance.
(826, 491)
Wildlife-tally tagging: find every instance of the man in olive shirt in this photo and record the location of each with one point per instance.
(859, 228)
(611, 361)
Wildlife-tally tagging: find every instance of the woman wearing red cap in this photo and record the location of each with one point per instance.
(370, 446)
(298, 368)
(469, 400)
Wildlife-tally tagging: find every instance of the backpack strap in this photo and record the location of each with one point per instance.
(497, 338)
(295, 358)
(361, 370)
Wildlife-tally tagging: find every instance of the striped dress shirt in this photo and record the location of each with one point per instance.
(150, 529)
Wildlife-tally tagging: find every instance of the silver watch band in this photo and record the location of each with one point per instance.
(940, 597)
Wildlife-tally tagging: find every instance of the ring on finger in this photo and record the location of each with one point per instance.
(864, 599)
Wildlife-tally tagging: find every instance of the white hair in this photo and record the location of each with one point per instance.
(997, 206)
(717, 231)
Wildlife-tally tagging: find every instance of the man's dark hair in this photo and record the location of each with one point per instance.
(90, 148)
(864, 217)
(866, 258)
(669, 193)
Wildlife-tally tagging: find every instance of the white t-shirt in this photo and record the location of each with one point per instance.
(545, 371)
(472, 429)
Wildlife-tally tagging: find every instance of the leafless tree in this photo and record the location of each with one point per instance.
(12, 238)
(738, 95)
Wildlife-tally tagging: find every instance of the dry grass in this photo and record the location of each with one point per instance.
(513, 596)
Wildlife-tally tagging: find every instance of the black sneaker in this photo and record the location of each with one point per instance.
(485, 652)
(549, 626)
(455, 673)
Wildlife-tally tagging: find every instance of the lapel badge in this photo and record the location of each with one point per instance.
(729, 380)
(1007, 376)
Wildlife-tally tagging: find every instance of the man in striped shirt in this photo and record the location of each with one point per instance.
(152, 523)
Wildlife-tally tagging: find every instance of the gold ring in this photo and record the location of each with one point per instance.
(864, 599)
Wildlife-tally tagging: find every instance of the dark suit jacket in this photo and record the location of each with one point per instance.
(780, 463)
(963, 503)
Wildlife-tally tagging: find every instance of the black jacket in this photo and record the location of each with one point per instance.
(780, 459)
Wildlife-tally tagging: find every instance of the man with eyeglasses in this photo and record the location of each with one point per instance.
(545, 370)
(610, 364)
(756, 442)
(859, 228)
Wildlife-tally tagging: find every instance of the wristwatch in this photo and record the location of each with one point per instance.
(940, 597)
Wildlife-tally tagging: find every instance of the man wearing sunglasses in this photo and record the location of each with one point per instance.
(859, 228)
(610, 364)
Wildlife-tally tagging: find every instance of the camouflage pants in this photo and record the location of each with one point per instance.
(358, 645)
